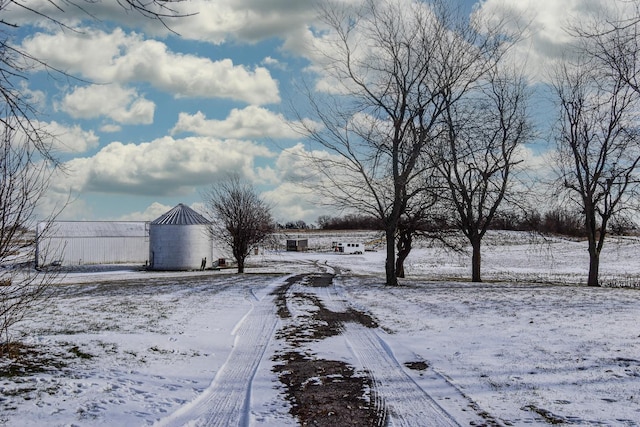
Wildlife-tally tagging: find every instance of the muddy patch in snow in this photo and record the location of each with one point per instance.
(21, 364)
(419, 365)
(322, 392)
(328, 392)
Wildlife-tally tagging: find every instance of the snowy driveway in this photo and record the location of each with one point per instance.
(391, 395)
(221, 349)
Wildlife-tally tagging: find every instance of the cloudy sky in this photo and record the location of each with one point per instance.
(152, 117)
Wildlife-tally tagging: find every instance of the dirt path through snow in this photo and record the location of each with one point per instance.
(284, 329)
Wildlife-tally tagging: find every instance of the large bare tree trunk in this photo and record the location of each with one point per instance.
(390, 266)
(404, 249)
(476, 261)
(594, 267)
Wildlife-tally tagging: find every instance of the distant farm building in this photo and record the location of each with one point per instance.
(297, 245)
(91, 242)
(180, 240)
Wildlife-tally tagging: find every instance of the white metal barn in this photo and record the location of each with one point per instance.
(180, 240)
(92, 242)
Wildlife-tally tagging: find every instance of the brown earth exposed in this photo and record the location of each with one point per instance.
(323, 392)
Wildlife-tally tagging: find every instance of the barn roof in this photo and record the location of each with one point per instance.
(70, 229)
(181, 215)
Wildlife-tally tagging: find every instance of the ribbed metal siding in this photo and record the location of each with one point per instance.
(181, 215)
(102, 250)
(76, 242)
(179, 247)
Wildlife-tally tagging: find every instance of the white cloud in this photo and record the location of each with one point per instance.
(301, 42)
(58, 137)
(165, 166)
(244, 20)
(250, 122)
(152, 212)
(210, 21)
(537, 165)
(122, 58)
(71, 139)
(546, 22)
(544, 42)
(256, 20)
(50, 14)
(266, 175)
(64, 207)
(113, 101)
(291, 203)
(299, 165)
(36, 98)
(298, 194)
(110, 127)
(273, 62)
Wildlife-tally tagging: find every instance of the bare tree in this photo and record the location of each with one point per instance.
(598, 133)
(27, 161)
(477, 154)
(23, 182)
(391, 66)
(598, 147)
(241, 220)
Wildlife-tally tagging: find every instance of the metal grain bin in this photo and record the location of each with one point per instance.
(180, 240)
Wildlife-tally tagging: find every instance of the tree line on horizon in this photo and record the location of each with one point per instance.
(557, 221)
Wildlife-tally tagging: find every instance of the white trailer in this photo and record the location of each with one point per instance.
(348, 248)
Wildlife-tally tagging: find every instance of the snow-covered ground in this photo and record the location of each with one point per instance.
(531, 345)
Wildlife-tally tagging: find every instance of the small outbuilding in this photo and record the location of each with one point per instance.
(297, 245)
(180, 240)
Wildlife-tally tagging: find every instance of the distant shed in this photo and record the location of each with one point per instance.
(297, 245)
(92, 242)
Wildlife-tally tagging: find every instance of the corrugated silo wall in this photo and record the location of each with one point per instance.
(179, 247)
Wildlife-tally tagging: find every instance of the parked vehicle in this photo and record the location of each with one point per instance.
(348, 248)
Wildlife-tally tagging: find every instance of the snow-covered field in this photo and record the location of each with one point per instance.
(530, 345)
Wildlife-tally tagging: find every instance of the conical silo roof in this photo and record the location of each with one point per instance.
(181, 215)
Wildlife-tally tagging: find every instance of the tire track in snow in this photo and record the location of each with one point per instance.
(439, 389)
(227, 401)
(407, 403)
